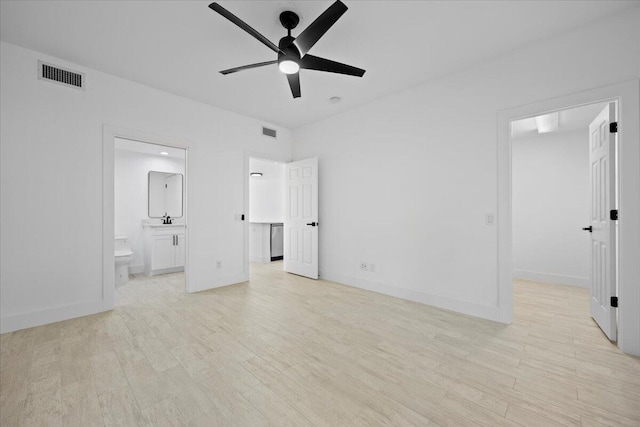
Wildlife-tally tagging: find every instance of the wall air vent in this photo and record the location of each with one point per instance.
(60, 75)
(269, 132)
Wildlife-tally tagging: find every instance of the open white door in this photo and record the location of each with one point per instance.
(602, 227)
(301, 218)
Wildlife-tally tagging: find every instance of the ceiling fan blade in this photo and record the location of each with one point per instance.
(247, 67)
(240, 23)
(311, 62)
(294, 83)
(317, 28)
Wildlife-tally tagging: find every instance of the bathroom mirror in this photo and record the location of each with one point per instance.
(165, 194)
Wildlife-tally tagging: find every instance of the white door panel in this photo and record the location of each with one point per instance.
(603, 236)
(301, 218)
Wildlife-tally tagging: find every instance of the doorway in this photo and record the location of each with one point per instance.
(145, 151)
(149, 217)
(628, 135)
(556, 198)
(283, 204)
(266, 213)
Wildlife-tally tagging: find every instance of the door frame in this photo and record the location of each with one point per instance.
(280, 158)
(627, 96)
(109, 133)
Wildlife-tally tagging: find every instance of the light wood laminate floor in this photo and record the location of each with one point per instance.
(283, 350)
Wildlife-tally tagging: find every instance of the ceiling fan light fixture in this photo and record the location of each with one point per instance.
(288, 66)
(293, 51)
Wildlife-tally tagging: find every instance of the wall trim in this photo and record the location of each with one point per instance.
(260, 259)
(162, 271)
(51, 315)
(627, 96)
(558, 279)
(220, 282)
(447, 303)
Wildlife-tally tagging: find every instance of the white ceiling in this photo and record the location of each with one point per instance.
(268, 168)
(148, 148)
(179, 46)
(568, 120)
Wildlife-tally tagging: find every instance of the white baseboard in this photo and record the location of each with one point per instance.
(219, 282)
(166, 271)
(464, 307)
(51, 315)
(558, 279)
(136, 269)
(259, 259)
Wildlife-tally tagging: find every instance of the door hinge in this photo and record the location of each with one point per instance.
(242, 217)
(613, 127)
(614, 302)
(613, 214)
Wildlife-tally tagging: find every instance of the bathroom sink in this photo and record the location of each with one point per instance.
(146, 224)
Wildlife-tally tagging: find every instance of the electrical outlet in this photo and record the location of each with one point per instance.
(218, 265)
(490, 219)
(372, 268)
(364, 266)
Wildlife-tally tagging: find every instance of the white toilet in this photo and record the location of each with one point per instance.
(124, 255)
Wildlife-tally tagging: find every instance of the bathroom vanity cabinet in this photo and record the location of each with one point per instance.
(164, 248)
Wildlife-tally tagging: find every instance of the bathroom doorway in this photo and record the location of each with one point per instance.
(150, 211)
(266, 213)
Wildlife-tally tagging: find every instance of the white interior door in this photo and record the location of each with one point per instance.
(603, 236)
(301, 218)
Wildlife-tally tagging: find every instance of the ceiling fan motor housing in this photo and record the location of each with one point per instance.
(289, 51)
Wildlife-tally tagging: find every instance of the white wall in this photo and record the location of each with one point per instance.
(551, 203)
(51, 212)
(131, 196)
(266, 193)
(259, 242)
(406, 181)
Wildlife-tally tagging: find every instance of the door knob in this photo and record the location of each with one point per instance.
(589, 229)
(313, 224)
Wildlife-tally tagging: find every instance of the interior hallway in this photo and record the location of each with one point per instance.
(284, 350)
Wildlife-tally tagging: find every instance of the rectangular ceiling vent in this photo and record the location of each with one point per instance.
(59, 75)
(269, 132)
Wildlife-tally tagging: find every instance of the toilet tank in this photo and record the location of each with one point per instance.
(121, 242)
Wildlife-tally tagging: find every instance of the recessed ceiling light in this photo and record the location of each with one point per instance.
(256, 173)
(335, 99)
(164, 153)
